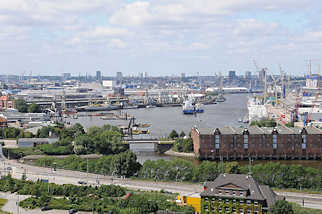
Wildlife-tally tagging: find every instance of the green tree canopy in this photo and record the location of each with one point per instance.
(21, 105)
(125, 164)
(174, 134)
(281, 207)
(34, 108)
(182, 134)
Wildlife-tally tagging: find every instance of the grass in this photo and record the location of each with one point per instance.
(2, 203)
(302, 210)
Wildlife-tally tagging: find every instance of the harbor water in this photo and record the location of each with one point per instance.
(163, 120)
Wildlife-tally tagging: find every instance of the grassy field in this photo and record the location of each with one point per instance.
(2, 203)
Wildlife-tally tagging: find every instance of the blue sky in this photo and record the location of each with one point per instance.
(161, 37)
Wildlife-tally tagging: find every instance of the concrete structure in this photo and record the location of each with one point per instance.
(259, 143)
(32, 142)
(234, 193)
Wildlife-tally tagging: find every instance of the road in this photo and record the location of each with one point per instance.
(72, 177)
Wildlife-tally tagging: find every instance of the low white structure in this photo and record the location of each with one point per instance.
(109, 84)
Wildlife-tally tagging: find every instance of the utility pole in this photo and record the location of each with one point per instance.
(18, 204)
(86, 169)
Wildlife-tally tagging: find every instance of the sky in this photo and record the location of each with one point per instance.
(160, 37)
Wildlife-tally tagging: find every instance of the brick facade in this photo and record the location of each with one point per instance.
(259, 143)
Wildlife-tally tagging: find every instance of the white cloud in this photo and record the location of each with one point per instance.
(107, 31)
(117, 43)
(198, 46)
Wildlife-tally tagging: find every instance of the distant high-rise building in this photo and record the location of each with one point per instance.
(232, 75)
(248, 75)
(262, 75)
(119, 76)
(99, 76)
(66, 76)
(145, 74)
(183, 75)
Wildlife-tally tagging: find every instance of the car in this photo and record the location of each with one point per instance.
(82, 182)
(72, 211)
(45, 208)
(9, 168)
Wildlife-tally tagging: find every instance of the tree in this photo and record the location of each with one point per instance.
(173, 134)
(86, 142)
(34, 108)
(182, 134)
(21, 105)
(5, 86)
(125, 164)
(281, 207)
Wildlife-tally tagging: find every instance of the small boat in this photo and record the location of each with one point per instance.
(220, 98)
(246, 120)
(191, 108)
(188, 107)
(198, 108)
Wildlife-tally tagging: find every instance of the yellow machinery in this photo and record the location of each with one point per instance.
(193, 200)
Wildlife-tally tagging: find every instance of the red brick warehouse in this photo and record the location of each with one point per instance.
(259, 143)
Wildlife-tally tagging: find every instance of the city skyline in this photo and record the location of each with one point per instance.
(158, 37)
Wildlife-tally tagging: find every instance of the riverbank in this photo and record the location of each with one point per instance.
(180, 154)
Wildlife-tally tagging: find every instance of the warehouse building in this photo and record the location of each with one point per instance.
(259, 143)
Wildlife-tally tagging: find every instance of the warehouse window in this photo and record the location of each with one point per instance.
(217, 141)
(274, 141)
(245, 141)
(303, 141)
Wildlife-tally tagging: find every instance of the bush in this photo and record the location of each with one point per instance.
(173, 134)
(281, 207)
(183, 145)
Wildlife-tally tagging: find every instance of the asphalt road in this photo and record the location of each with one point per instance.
(72, 177)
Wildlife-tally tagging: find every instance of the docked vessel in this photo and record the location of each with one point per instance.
(191, 108)
(188, 107)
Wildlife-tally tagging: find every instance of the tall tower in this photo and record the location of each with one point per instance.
(99, 76)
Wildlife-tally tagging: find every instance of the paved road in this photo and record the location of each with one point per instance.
(72, 177)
